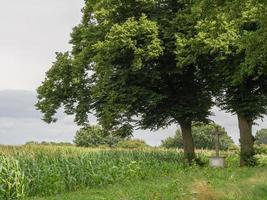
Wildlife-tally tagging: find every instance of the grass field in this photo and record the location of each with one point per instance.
(245, 184)
(47, 172)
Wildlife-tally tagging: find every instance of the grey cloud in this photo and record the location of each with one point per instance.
(18, 131)
(18, 104)
(20, 122)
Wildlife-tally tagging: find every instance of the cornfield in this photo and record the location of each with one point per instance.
(41, 170)
(27, 171)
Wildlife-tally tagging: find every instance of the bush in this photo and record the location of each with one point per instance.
(173, 142)
(95, 136)
(261, 149)
(49, 143)
(132, 144)
(261, 137)
(203, 138)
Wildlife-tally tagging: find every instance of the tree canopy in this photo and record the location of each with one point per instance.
(233, 35)
(151, 63)
(124, 68)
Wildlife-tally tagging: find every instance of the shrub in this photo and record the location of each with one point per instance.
(132, 144)
(32, 143)
(261, 149)
(49, 143)
(261, 160)
(261, 137)
(95, 136)
(173, 142)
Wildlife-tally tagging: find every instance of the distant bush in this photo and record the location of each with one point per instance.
(95, 136)
(49, 143)
(173, 142)
(32, 143)
(132, 144)
(261, 137)
(203, 138)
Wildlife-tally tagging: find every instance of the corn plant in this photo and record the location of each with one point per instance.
(12, 179)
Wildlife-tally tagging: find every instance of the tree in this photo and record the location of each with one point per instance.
(124, 68)
(94, 136)
(174, 142)
(261, 137)
(91, 136)
(234, 35)
(203, 138)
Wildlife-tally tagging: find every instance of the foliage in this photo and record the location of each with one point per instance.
(12, 179)
(203, 138)
(261, 137)
(48, 170)
(232, 36)
(211, 184)
(123, 68)
(128, 51)
(261, 149)
(94, 136)
(149, 64)
(132, 144)
(49, 143)
(261, 159)
(173, 142)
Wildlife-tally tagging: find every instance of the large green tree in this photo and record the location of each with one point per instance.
(234, 35)
(124, 68)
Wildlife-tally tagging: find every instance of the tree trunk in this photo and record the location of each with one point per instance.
(246, 141)
(188, 143)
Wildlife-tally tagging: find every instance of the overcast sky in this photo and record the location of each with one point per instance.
(31, 31)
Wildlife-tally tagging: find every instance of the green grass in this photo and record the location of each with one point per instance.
(194, 183)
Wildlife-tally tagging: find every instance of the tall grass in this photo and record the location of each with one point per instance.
(42, 170)
(47, 170)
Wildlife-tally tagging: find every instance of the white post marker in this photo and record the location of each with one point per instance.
(217, 161)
